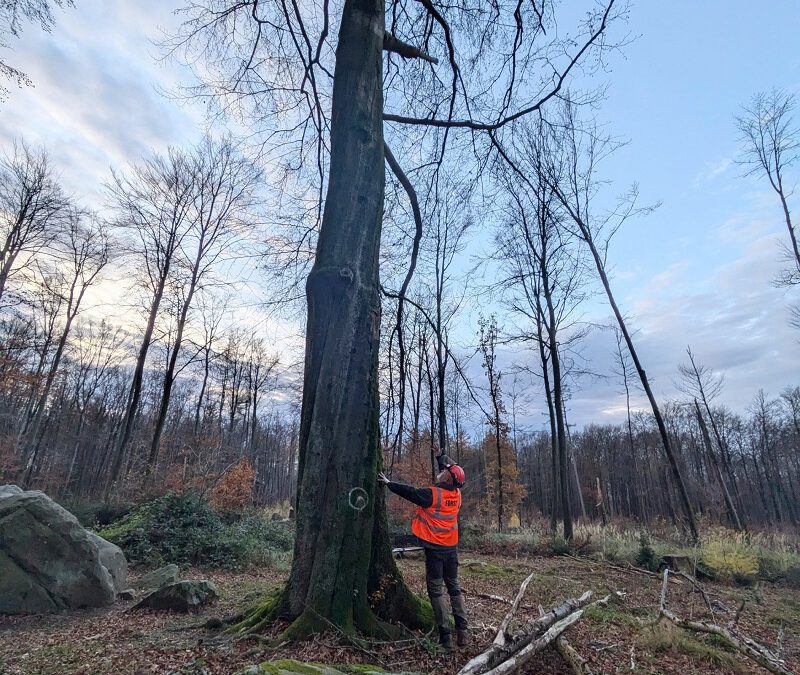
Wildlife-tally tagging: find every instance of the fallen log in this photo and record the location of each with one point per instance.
(511, 649)
(747, 646)
(515, 662)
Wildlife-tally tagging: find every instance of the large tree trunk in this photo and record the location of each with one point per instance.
(343, 572)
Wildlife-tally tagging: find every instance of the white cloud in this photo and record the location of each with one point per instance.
(712, 170)
(95, 102)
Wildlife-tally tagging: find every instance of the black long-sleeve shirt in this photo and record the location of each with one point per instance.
(423, 496)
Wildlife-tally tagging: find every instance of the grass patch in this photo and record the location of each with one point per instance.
(605, 615)
(730, 556)
(787, 613)
(664, 638)
(485, 569)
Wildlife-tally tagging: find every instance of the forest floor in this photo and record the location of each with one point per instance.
(621, 638)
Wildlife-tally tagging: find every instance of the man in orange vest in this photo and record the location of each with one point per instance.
(436, 527)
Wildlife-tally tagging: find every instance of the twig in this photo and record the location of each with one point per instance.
(693, 580)
(500, 639)
(496, 598)
(607, 647)
(757, 652)
(628, 568)
(733, 622)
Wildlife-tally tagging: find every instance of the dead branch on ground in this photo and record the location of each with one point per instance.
(747, 646)
(572, 657)
(513, 648)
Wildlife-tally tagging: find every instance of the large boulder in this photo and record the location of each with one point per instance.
(181, 596)
(48, 561)
(157, 578)
(113, 559)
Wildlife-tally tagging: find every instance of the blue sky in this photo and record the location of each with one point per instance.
(697, 271)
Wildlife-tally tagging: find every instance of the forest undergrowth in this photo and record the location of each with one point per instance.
(750, 579)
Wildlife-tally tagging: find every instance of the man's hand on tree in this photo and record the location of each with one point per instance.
(382, 478)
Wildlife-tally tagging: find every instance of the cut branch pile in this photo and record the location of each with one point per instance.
(513, 647)
(747, 646)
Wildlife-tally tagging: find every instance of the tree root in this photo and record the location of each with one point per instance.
(259, 615)
(366, 622)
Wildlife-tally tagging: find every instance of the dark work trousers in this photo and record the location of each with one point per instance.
(441, 569)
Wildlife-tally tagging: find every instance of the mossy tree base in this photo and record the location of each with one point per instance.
(405, 610)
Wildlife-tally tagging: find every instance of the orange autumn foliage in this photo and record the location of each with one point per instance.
(234, 491)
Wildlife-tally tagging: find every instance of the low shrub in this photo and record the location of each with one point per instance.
(184, 529)
(646, 557)
(471, 535)
(730, 556)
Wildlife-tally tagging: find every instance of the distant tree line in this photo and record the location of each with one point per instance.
(171, 391)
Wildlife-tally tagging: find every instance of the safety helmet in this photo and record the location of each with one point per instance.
(458, 474)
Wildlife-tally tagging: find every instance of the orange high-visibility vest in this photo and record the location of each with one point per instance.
(438, 524)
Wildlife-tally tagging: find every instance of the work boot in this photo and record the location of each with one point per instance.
(462, 637)
(446, 641)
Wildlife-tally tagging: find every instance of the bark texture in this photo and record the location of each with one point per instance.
(343, 573)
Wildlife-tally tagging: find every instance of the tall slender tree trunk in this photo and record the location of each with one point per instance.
(558, 404)
(169, 374)
(201, 394)
(126, 427)
(35, 432)
(732, 512)
(686, 504)
(578, 486)
(551, 416)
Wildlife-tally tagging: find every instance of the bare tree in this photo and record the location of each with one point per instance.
(222, 196)
(98, 352)
(85, 254)
(32, 209)
(542, 280)
(488, 346)
(572, 174)
(153, 207)
(275, 57)
(13, 14)
(700, 382)
(771, 142)
(624, 369)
